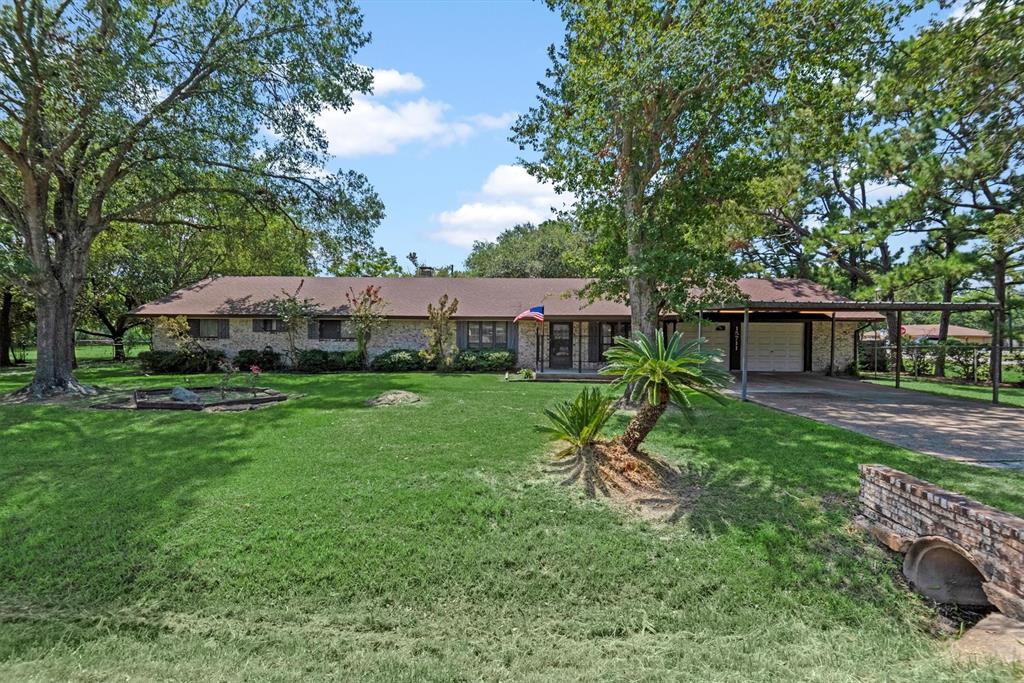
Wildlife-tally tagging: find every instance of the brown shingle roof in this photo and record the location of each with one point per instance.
(408, 297)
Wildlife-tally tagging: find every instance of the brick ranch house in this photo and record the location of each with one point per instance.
(234, 313)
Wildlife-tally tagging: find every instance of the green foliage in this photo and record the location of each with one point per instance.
(527, 373)
(267, 359)
(179, 362)
(653, 136)
(440, 332)
(294, 313)
(318, 360)
(156, 114)
(656, 370)
(483, 360)
(398, 360)
(580, 420)
(366, 312)
(550, 249)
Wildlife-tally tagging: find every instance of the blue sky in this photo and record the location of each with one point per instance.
(433, 140)
(451, 75)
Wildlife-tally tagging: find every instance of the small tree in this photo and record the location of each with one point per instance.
(366, 309)
(176, 330)
(440, 331)
(661, 373)
(294, 314)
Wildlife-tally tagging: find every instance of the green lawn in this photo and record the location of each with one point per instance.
(319, 539)
(1012, 396)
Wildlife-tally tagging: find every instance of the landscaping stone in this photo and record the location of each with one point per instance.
(184, 395)
(393, 398)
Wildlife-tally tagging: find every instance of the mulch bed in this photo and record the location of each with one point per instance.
(645, 484)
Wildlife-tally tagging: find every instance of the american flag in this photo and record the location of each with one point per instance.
(535, 313)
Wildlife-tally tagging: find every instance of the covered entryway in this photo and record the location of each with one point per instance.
(560, 352)
(776, 347)
(951, 428)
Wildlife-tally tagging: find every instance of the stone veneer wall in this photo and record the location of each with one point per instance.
(394, 334)
(899, 509)
(820, 340)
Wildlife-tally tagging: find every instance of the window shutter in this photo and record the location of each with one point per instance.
(223, 328)
(193, 328)
(461, 334)
(256, 325)
(314, 329)
(594, 341)
(512, 336)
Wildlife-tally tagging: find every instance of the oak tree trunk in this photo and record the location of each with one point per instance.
(6, 335)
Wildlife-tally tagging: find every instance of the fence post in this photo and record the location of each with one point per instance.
(974, 367)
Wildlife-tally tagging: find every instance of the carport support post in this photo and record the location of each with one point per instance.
(899, 345)
(743, 353)
(832, 346)
(997, 353)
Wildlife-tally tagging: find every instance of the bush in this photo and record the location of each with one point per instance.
(397, 360)
(580, 420)
(343, 360)
(485, 361)
(267, 359)
(311, 360)
(182, 363)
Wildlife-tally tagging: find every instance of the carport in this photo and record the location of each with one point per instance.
(832, 307)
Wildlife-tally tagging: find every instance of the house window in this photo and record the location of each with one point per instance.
(609, 331)
(208, 328)
(486, 335)
(330, 329)
(268, 325)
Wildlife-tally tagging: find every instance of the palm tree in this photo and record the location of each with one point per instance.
(660, 374)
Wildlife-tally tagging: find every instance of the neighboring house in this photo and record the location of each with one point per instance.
(931, 332)
(234, 313)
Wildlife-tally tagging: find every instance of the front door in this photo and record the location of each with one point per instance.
(561, 345)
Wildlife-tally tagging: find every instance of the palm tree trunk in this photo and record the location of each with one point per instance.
(643, 422)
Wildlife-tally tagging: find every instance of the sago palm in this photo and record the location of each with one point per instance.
(660, 373)
(579, 421)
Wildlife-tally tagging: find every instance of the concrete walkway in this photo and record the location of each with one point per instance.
(952, 428)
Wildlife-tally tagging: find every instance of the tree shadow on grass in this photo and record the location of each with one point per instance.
(90, 497)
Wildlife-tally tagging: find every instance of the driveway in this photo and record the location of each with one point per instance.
(952, 428)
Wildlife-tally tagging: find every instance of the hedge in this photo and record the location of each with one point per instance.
(267, 359)
(315, 360)
(178, 362)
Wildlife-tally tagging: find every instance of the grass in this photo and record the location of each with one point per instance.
(1012, 396)
(319, 539)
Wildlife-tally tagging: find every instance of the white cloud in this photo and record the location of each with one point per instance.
(492, 122)
(372, 127)
(387, 81)
(383, 122)
(508, 196)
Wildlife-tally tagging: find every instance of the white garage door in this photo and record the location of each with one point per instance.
(776, 347)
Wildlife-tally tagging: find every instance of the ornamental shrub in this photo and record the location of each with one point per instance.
(473, 360)
(181, 362)
(267, 359)
(397, 360)
(311, 360)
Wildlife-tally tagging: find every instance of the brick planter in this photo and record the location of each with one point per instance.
(939, 530)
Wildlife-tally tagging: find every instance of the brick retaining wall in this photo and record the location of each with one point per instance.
(901, 510)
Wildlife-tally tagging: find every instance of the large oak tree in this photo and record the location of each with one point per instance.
(654, 116)
(130, 112)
